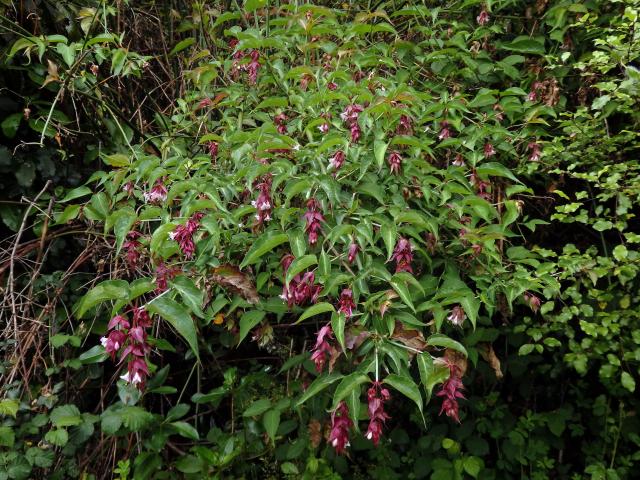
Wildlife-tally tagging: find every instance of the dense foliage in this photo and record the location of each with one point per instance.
(384, 239)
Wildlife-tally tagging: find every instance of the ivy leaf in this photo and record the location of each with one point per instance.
(249, 320)
(266, 243)
(179, 318)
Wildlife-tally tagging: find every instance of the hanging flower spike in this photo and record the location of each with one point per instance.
(451, 391)
(395, 161)
(376, 396)
(533, 301)
(157, 194)
(183, 234)
(137, 372)
(354, 248)
(119, 322)
(301, 289)
(340, 426)
(131, 245)
(113, 342)
(459, 161)
(403, 256)
(280, 120)
(213, 150)
(332, 86)
(346, 304)
(337, 160)
(254, 66)
(535, 149)
(405, 126)
(313, 218)
(457, 316)
(489, 151)
(163, 274)
(322, 349)
(263, 204)
(444, 130)
(350, 117)
(483, 18)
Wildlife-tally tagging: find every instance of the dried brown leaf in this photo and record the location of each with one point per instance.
(411, 338)
(489, 355)
(232, 279)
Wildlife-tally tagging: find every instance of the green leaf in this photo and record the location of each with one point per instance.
(182, 45)
(266, 243)
(389, 233)
(337, 325)
(95, 354)
(525, 45)
(192, 296)
(439, 340)
(471, 306)
(186, 430)
(123, 219)
(253, 5)
(628, 381)
(319, 384)
(7, 438)
(66, 416)
(473, 465)
(324, 265)
(406, 386)
(249, 320)
(317, 309)
(10, 124)
(431, 373)
(178, 317)
(379, 151)
(116, 160)
(9, 407)
(299, 265)
(403, 292)
(495, 169)
(76, 193)
(257, 408)
(347, 385)
(58, 437)
(107, 290)
(271, 422)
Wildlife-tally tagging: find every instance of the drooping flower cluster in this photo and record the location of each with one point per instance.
(354, 248)
(132, 247)
(183, 234)
(263, 204)
(313, 217)
(403, 256)
(405, 126)
(337, 161)
(281, 123)
(376, 396)
(451, 391)
(322, 349)
(346, 304)
(350, 117)
(239, 64)
(483, 18)
(340, 426)
(535, 150)
(157, 194)
(302, 288)
(212, 147)
(164, 273)
(489, 151)
(395, 162)
(457, 316)
(444, 130)
(131, 341)
(533, 301)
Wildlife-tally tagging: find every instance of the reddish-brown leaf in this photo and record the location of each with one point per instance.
(232, 279)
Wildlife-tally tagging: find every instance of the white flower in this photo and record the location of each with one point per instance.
(125, 377)
(296, 147)
(335, 442)
(172, 235)
(369, 435)
(103, 341)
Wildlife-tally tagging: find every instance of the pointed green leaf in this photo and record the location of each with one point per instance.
(317, 309)
(299, 265)
(178, 317)
(347, 385)
(406, 386)
(249, 320)
(319, 384)
(266, 243)
(439, 340)
(271, 422)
